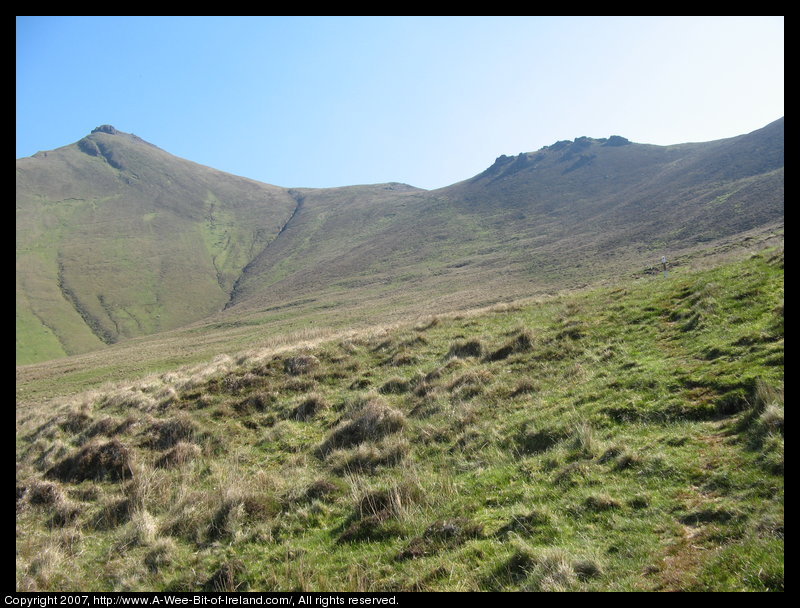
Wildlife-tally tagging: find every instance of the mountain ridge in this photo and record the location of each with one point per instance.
(117, 238)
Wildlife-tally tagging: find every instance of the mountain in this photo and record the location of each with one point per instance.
(116, 238)
(563, 215)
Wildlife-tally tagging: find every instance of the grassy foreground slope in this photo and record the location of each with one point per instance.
(626, 438)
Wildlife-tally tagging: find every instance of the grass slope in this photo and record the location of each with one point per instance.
(621, 439)
(117, 238)
(560, 217)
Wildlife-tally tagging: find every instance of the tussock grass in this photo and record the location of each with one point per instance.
(311, 406)
(300, 364)
(395, 385)
(161, 554)
(368, 456)
(522, 342)
(226, 579)
(43, 493)
(465, 348)
(96, 461)
(47, 568)
(584, 442)
(373, 421)
(182, 453)
(143, 528)
(167, 433)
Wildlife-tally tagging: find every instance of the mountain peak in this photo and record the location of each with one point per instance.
(112, 130)
(105, 129)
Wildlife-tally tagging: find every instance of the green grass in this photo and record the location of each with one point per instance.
(129, 242)
(614, 439)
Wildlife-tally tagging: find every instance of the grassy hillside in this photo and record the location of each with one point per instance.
(563, 216)
(117, 238)
(625, 438)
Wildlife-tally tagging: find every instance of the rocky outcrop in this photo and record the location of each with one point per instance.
(105, 129)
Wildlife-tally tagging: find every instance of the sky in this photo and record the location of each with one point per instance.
(427, 101)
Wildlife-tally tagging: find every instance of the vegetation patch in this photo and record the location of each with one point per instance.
(166, 433)
(96, 461)
(464, 349)
(534, 440)
(179, 455)
(521, 343)
(441, 535)
(300, 364)
(371, 422)
(310, 407)
(607, 451)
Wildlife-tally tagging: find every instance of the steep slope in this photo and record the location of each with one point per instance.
(563, 215)
(117, 238)
(615, 191)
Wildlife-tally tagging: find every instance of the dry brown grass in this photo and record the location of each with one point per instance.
(179, 455)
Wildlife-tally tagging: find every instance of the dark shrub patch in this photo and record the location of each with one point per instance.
(532, 442)
(372, 422)
(167, 433)
(96, 461)
(468, 348)
(300, 364)
(309, 407)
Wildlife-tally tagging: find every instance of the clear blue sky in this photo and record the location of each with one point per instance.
(333, 101)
